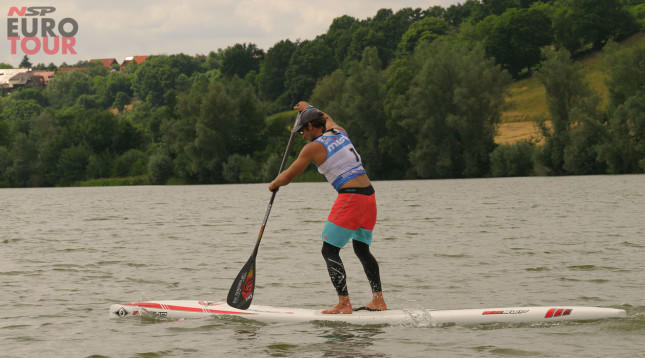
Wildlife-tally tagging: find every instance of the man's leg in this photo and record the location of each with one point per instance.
(371, 268)
(336, 270)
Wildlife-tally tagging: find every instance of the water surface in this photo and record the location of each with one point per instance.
(67, 254)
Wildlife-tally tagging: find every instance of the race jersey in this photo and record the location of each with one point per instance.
(343, 162)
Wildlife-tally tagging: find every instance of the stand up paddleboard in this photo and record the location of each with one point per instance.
(201, 309)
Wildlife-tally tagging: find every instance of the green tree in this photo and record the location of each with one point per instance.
(120, 101)
(580, 156)
(517, 37)
(100, 131)
(160, 168)
(209, 149)
(241, 59)
(43, 133)
(64, 89)
(24, 154)
(72, 164)
(108, 88)
(362, 111)
(461, 12)
(99, 165)
(339, 36)
(158, 75)
(426, 29)
(133, 162)
(453, 106)
(638, 12)
(596, 21)
(272, 75)
(19, 112)
(329, 92)
(626, 70)
(240, 169)
(400, 139)
(87, 101)
(564, 27)
(214, 121)
(566, 91)
(512, 160)
(214, 60)
(624, 148)
(311, 61)
(5, 134)
(436, 11)
(25, 63)
(383, 31)
(270, 167)
(497, 7)
(6, 162)
(31, 93)
(275, 135)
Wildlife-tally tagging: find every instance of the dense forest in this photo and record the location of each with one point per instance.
(420, 92)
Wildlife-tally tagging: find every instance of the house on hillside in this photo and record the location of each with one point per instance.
(27, 80)
(106, 62)
(11, 79)
(137, 59)
(6, 74)
(44, 76)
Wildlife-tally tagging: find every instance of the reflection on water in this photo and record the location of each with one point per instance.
(350, 341)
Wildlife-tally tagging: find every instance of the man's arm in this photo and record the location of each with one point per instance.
(305, 157)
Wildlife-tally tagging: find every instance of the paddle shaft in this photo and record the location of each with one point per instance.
(266, 215)
(241, 292)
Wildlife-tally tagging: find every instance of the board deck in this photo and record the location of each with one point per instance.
(183, 309)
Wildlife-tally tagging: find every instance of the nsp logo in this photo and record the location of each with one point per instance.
(29, 27)
(31, 11)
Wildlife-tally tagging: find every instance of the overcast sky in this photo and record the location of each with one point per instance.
(120, 28)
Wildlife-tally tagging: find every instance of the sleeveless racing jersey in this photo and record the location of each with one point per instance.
(343, 162)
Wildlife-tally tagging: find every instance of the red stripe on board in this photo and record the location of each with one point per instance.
(549, 313)
(492, 312)
(558, 312)
(181, 308)
(567, 312)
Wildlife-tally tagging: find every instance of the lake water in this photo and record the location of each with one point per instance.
(67, 254)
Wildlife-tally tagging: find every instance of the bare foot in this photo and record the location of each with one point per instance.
(378, 303)
(342, 307)
(338, 310)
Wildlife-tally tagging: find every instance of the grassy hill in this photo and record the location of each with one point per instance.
(527, 98)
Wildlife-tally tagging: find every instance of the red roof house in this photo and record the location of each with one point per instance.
(106, 62)
(137, 59)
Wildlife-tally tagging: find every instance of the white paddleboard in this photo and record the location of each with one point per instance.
(177, 309)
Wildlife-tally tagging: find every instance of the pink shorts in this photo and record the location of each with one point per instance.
(353, 216)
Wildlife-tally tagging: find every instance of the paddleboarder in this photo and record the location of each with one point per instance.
(353, 214)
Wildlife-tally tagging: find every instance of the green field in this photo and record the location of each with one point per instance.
(527, 98)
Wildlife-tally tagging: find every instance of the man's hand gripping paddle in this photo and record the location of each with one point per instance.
(241, 292)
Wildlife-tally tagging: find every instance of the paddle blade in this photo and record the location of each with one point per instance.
(241, 292)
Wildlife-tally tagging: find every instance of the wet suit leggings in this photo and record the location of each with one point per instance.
(336, 269)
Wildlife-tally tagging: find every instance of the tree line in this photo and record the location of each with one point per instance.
(421, 93)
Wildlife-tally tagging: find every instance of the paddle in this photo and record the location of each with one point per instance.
(241, 292)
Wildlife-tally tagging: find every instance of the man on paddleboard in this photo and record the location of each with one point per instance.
(353, 215)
